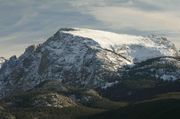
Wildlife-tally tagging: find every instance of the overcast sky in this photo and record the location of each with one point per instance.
(25, 22)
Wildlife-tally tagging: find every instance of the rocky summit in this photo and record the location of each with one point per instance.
(90, 59)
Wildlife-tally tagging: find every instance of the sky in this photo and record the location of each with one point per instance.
(26, 22)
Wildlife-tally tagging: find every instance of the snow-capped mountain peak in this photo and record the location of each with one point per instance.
(134, 48)
(88, 58)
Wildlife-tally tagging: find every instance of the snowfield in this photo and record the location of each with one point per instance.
(134, 48)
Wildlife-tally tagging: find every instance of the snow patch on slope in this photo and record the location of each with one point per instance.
(2, 60)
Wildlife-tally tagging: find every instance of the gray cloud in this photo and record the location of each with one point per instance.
(140, 17)
(27, 22)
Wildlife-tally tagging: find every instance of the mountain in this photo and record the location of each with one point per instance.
(90, 59)
(91, 74)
